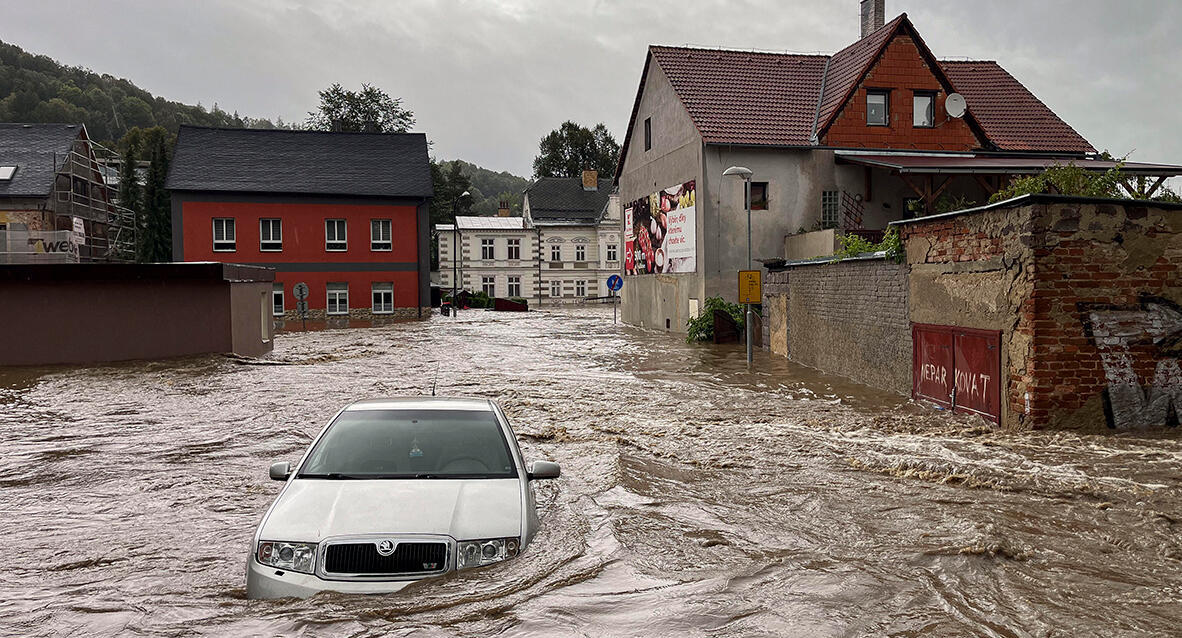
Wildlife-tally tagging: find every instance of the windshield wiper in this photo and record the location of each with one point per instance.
(335, 476)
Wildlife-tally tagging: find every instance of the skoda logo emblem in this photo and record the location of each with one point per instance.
(386, 547)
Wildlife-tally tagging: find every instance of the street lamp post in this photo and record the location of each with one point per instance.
(745, 173)
(455, 250)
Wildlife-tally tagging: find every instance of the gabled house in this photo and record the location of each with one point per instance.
(344, 213)
(561, 250)
(55, 205)
(846, 143)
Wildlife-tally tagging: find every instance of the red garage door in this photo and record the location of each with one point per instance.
(958, 368)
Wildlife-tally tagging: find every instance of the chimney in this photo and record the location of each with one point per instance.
(504, 210)
(590, 180)
(873, 16)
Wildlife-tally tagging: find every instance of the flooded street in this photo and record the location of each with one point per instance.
(697, 498)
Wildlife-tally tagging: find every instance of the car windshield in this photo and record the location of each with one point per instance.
(411, 444)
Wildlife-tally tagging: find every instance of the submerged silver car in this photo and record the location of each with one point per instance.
(392, 491)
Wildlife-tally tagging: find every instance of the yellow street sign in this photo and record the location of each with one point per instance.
(750, 286)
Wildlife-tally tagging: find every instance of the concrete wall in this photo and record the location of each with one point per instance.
(808, 245)
(663, 301)
(849, 318)
(88, 313)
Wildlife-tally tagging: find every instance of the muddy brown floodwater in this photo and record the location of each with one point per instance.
(697, 498)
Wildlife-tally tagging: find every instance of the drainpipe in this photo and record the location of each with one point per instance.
(538, 252)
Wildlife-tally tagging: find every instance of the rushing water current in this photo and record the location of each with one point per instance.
(697, 498)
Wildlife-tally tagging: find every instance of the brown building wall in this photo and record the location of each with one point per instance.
(902, 70)
(849, 318)
(73, 313)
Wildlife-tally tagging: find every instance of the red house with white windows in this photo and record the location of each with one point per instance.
(345, 213)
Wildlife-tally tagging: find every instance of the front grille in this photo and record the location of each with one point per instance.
(363, 558)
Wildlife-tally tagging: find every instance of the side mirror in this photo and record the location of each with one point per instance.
(280, 471)
(544, 470)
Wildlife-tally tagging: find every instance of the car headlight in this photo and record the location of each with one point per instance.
(483, 552)
(296, 557)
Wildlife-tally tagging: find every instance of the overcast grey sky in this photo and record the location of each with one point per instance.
(487, 79)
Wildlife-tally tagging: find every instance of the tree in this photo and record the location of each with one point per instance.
(155, 244)
(129, 185)
(450, 184)
(569, 149)
(371, 108)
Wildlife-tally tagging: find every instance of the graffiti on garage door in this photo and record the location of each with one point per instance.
(958, 368)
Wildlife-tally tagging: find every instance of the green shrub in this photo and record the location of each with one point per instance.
(701, 328)
(854, 245)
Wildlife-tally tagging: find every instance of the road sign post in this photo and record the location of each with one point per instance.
(614, 283)
(750, 291)
(300, 291)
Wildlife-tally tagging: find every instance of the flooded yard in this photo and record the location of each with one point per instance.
(697, 498)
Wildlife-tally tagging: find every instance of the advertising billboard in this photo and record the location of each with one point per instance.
(660, 232)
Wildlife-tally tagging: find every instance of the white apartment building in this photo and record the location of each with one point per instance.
(561, 250)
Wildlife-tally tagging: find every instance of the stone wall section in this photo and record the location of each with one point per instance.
(848, 318)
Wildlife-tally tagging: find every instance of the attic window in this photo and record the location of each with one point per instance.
(6, 172)
(877, 108)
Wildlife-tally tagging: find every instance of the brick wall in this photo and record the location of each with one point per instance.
(977, 271)
(848, 318)
(902, 70)
(1087, 296)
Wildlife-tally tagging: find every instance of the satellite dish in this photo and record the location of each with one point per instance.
(954, 104)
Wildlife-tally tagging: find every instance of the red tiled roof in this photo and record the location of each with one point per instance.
(848, 66)
(1012, 117)
(740, 97)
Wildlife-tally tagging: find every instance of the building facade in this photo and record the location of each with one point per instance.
(561, 250)
(55, 205)
(877, 132)
(344, 213)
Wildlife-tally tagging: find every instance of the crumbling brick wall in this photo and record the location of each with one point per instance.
(1108, 316)
(976, 271)
(848, 318)
(1086, 294)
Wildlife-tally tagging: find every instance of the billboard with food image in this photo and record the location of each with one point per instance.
(660, 232)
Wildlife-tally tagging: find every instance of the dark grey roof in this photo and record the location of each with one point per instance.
(301, 162)
(562, 199)
(32, 149)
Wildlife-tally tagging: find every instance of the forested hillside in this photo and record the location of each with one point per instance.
(36, 88)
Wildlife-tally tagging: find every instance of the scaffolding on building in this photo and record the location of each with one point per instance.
(85, 203)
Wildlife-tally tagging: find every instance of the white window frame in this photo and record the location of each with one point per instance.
(929, 112)
(488, 249)
(580, 288)
(488, 285)
(333, 243)
(611, 252)
(383, 305)
(555, 252)
(556, 289)
(380, 235)
(229, 241)
(514, 286)
(830, 209)
(513, 249)
(580, 252)
(886, 107)
(269, 240)
(337, 297)
(277, 295)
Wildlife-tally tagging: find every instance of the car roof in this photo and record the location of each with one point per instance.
(422, 403)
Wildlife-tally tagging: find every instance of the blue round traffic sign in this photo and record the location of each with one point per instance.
(615, 282)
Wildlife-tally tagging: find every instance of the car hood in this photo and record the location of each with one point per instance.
(310, 510)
